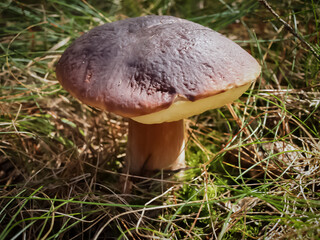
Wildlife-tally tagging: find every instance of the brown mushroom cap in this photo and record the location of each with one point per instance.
(141, 66)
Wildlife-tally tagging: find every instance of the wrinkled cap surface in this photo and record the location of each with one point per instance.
(143, 65)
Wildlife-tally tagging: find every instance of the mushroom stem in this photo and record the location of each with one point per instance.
(153, 147)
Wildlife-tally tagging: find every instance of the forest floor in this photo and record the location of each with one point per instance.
(254, 166)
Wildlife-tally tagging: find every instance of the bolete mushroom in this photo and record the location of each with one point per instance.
(156, 71)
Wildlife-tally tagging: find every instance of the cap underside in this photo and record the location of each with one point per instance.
(184, 109)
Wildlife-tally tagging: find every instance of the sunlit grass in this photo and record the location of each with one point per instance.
(253, 165)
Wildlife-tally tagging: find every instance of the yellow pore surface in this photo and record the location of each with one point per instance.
(184, 109)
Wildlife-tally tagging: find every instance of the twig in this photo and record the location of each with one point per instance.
(290, 29)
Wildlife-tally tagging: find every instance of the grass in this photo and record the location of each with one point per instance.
(254, 165)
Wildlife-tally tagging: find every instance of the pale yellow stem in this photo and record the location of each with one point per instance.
(155, 146)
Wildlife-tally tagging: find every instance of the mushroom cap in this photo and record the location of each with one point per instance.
(147, 65)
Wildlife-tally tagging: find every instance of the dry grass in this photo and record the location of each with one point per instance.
(254, 165)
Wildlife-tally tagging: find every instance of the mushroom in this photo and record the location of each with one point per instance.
(156, 71)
